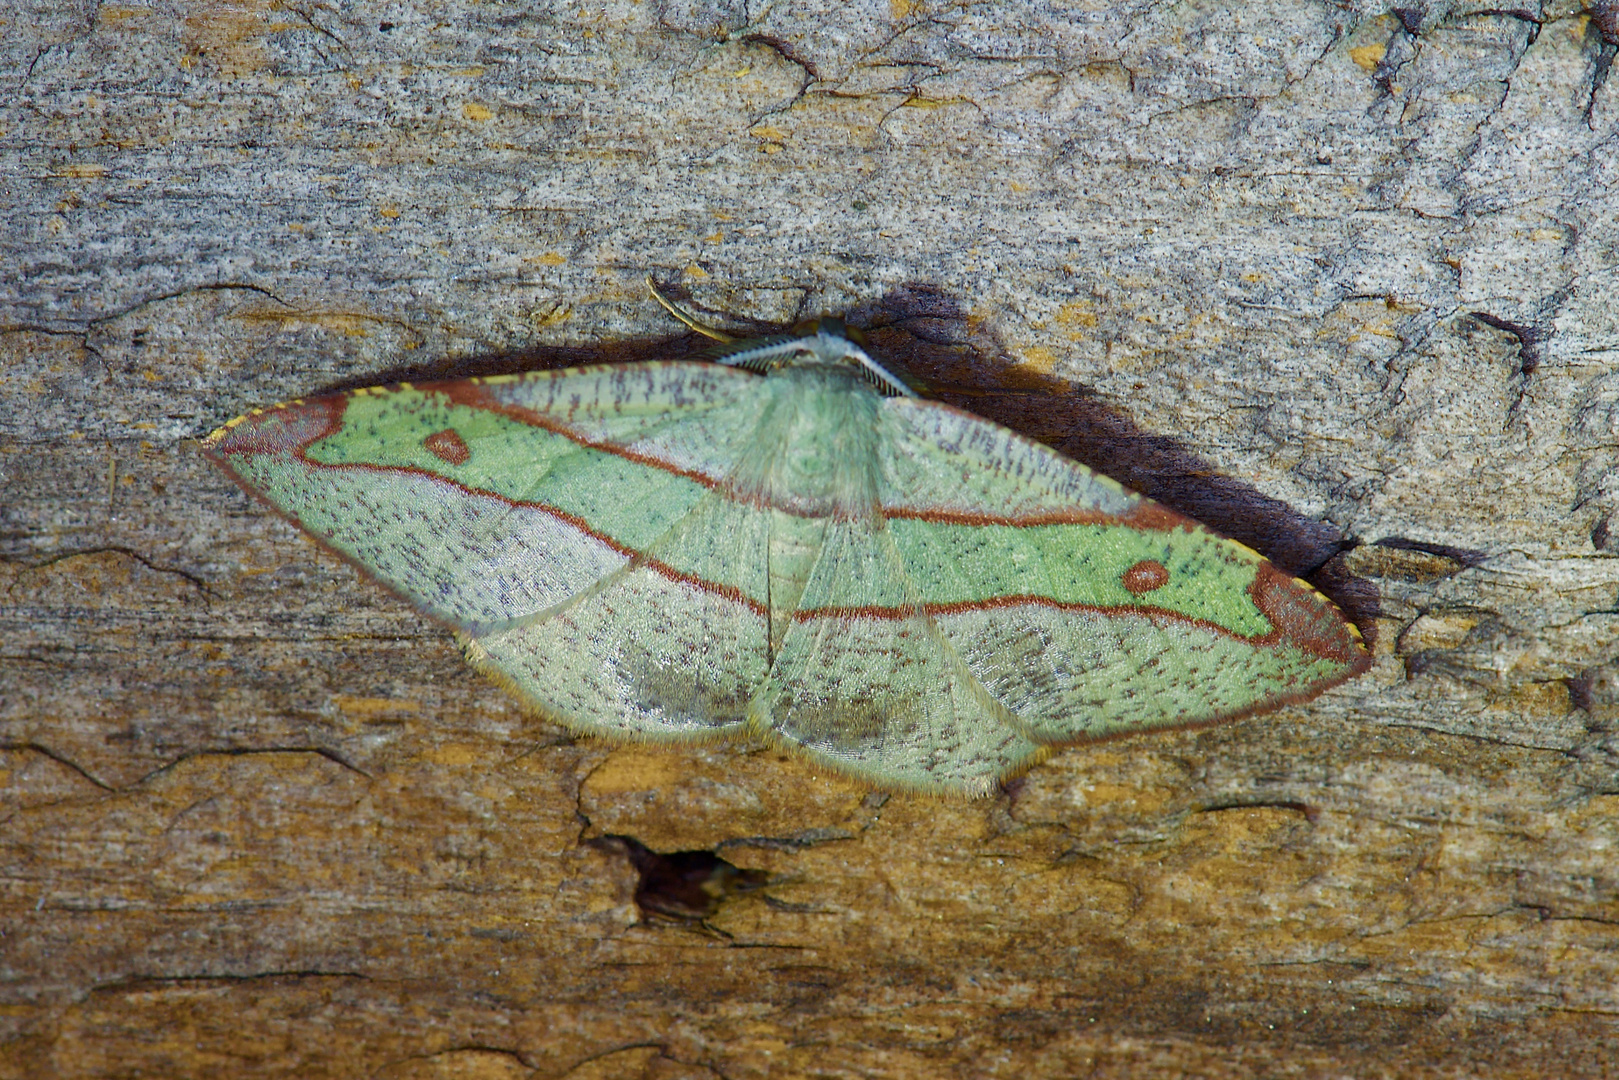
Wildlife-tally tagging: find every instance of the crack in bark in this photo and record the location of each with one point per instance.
(785, 50)
(1605, 19)
(1530, 337)
(1468, 557)
(1307, 811)
(518, 1056)
(60, 759)
(685, 886)
(223, 286)
(798, 842)
(1538, 748)
(247, 751)
(309, 20)
(197, 582)
(137, 983)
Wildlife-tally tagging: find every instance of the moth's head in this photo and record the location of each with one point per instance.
(831, 326)
(825, 341)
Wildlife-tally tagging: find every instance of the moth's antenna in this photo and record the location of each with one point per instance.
(684, 316)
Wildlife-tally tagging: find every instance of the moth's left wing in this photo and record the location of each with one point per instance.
(566, 523)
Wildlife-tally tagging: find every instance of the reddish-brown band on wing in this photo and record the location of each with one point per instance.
(288, 428)
(1308, 620)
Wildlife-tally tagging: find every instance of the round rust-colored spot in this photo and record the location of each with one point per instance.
(449, 446)
(1144, 577)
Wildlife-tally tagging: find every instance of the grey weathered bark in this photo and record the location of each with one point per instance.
(1336, 279)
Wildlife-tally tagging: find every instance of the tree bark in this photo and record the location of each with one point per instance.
(1335, 280)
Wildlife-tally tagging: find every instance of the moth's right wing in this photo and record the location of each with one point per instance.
(1083, 608)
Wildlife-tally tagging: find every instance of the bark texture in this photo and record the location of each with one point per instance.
(1338, 279)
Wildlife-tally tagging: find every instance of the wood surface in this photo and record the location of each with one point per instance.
(1337, 279)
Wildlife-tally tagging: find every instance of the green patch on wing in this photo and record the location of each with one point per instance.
(629, 502)
(1208, 576)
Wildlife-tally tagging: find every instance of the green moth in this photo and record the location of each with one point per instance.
(787, 543)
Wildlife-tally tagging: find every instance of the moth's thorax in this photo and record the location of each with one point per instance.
(815, 465)
(815, 449)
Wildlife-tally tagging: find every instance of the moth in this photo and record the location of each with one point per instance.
(786, 543)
